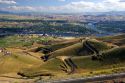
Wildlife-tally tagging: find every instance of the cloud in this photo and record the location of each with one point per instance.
(122, 0)
(21, 8)
(103, 6)
(7, 2)
(79, 6)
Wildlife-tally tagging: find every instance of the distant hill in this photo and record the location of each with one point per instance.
(82, 13)
(105, 13)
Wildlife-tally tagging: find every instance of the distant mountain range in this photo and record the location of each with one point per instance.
(85, 13)
(106, 13)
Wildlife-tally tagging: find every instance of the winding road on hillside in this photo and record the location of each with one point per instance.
(91, 48)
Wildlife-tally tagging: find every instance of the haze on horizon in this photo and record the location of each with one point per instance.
(62, 6)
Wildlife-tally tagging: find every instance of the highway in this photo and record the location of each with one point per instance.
(92, 79)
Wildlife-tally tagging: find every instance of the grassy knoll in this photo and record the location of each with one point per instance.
(60, 45)
(79, 49)
(85, 62)
(19, 61)
(86, 66)
(16, 62)
(117, 39)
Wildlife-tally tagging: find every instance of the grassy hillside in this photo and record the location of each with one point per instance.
(57, 46)
(16, 62)
(86, 62)
(19, 61)
(86, 66)
(117, 39)
(79, 49)
(116, 54)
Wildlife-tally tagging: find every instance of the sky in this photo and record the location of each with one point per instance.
(62, 6)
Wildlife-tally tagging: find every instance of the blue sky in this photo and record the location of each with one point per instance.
(62, 6)
(47, 2)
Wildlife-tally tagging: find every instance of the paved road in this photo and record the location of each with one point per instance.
(92, 79)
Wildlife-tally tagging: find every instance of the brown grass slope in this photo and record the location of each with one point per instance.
(79, 49)
(16, 62)
(117, 39)
(57, 46)
(111, 58)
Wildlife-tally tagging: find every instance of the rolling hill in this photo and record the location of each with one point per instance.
(16, 62)
(116, 40)
(112, 59)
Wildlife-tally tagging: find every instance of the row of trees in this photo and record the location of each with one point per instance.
(111, 26)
